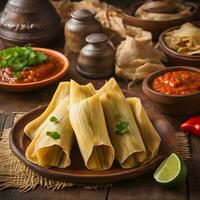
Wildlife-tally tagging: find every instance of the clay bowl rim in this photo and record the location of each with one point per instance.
(146, 85)
(46, 81)
(172, 52)
(129, 17)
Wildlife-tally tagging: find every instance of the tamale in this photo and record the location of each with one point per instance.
(39, 123)
(124, 134)
(88, 122)
(52, 139)
(149, 135)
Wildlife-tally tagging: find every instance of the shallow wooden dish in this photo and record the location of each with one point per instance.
(77, 172)
(25, 87)
(156, 27)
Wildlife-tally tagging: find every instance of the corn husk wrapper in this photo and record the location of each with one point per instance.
(38, 124)
(129, 147)
(149, 135)
(88, 122)
(43, 149)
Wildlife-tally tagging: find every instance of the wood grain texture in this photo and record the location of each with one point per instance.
(145, 188)
(193, 170)
(66, 194)
(2, 122)
(9, 120)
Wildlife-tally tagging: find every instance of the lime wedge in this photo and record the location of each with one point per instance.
(171, 172)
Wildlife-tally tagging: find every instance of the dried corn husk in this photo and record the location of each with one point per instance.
(88, 122)
(129, 147)
(43, 149)
(149, 135)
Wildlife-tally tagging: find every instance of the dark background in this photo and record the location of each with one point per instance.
(119, 3)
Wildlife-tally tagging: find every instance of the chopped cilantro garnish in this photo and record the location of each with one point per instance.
(21, 58)
(54, 134)
(17, 75)
(180, 79)
(122, 127)
(54, 119)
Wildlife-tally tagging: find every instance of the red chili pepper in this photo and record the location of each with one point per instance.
(192, 126)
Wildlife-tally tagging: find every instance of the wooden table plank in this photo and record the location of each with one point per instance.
(9, 120)
(145, 188)
(2, 122)
(45, 194)
(193, 170)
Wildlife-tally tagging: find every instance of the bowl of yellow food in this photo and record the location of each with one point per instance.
(181, 44)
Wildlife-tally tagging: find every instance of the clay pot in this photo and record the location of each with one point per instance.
(96, 59)
(177, 105)
(29, 21)
(81, 24)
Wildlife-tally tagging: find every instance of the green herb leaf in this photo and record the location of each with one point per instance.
(54, 119)
(54, 134)
(122, 127)
(180, 79)
(17, 75)
(21, 58)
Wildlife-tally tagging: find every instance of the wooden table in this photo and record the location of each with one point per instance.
(143, 188)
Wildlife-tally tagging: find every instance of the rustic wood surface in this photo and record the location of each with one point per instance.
(143, 188)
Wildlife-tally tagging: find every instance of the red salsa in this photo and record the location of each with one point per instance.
(177, 83)
(33, 74)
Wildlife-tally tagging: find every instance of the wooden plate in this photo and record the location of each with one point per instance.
(59, 73)
(77, 172)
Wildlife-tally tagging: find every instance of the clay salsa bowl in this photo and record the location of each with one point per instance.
(58, 73)
(175, 58)
(172, 104)
(156, 27)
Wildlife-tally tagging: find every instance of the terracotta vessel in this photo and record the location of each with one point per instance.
(29, 21)
(96, 59)
(185, 105)
(27, 87)
(81, 24)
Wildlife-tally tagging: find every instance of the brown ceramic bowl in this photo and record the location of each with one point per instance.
(172, 104)
(158, 26)
(175, 58)
(59, 73)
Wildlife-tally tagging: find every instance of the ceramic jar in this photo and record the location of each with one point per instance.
(29, 21)
(96, 59)
(81, 24)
